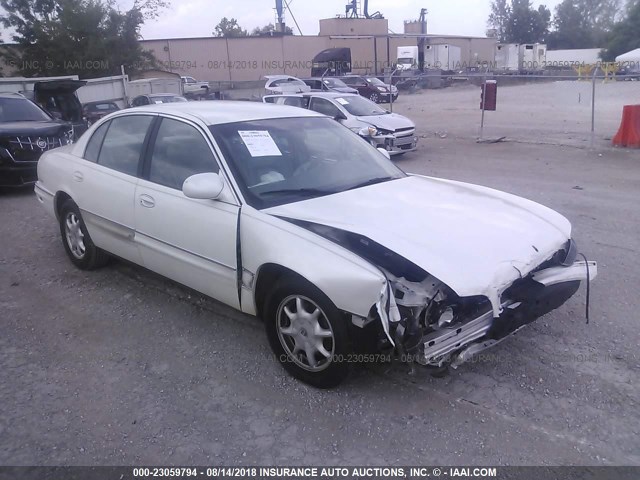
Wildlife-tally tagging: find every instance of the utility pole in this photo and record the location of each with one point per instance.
(422, 40)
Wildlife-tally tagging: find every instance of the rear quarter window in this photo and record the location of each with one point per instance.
(94, 144)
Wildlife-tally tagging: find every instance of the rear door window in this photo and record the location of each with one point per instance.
(123, 143)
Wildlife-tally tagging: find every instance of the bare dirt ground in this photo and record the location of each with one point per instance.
(120, 367)
(555, 112)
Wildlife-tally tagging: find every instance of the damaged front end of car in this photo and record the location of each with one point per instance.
(422, 320)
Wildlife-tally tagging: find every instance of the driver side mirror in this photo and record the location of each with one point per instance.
(203, 186)
(339, 116)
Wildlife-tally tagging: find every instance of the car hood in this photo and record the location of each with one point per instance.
(390, 121)
(40, 128)
(476, 240)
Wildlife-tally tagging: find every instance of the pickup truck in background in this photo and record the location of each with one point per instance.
(193, 88)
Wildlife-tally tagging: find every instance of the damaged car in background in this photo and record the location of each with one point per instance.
(392, 132)
(284, 214)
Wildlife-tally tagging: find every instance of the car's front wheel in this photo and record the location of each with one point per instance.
(307, 333)
(374, 97)
(76, 240)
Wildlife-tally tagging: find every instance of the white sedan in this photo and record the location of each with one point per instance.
(283, 213)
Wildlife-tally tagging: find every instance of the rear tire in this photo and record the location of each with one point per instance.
(76, 240)
(307, 333)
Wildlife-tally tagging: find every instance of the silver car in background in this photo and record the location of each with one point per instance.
(393, 132)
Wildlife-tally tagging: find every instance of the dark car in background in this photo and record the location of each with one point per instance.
(157, 98)
(59, 99)
(26, 132)
(371, 87)
(329, 84)
(94, 111)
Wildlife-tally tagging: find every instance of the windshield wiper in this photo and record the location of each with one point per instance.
(371, 181)
(307, 192)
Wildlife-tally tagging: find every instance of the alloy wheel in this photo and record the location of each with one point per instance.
(305, 333)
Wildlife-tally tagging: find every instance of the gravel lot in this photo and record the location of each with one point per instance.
(121, 367)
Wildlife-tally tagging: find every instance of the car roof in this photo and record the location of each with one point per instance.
(215, 112)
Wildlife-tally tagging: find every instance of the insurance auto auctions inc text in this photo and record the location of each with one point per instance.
(377, 472)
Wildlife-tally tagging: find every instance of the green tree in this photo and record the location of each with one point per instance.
(518, 22)
(527, 25)
(229, 28)
(499, 19)
(625, 34)
(270, 30)
(89, 38)
(583, 23)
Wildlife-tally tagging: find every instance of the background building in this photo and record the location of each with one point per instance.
(250, 58)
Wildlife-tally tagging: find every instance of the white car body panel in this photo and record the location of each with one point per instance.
(352, 283)
(201, 252)
(489, 245)
(111, 223)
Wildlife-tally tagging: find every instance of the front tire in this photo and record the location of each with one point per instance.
(307, 333)
(76, 240)
(374, 97)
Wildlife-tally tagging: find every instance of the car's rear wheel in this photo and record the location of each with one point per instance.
(374, 97)
(307, 333)
(76, 240)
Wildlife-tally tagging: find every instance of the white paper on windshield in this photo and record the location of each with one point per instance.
(259, 143)
(342, 101)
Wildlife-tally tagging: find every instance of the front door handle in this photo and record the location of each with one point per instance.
(147, 201)
(77, 176)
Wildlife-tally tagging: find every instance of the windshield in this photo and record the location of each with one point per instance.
(335, 83)
(20, 110)
(288, 81)
(360, 106)
(287, 160)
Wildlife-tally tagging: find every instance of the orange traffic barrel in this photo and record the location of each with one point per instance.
(629, 133)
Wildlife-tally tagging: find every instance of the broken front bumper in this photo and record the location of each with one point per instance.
(395, 145)
(543, 292)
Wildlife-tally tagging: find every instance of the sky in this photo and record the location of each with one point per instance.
(197, 18)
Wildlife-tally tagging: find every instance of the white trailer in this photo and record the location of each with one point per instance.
(407, 58)
(569, 58)
(442, 56)
(146, 86)
(533, 57)
(507, 57)
(108, 89)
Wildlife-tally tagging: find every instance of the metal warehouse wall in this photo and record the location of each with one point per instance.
(250, 58)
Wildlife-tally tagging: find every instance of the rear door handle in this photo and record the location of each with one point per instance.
(147, 201)
(77, 176)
